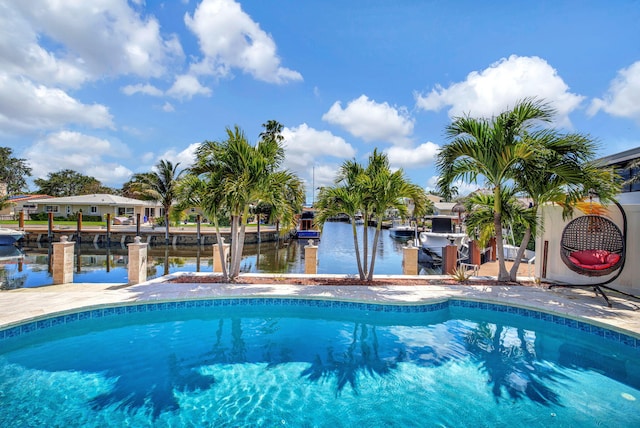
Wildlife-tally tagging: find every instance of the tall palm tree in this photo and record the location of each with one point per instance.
(341, 199)
(247, 175)
(370, 191)
(204, 191)
(160, 186)
(490, 148)
(562, 171)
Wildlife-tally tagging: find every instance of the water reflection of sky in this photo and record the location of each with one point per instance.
(29, 266)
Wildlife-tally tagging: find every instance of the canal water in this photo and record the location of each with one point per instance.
(29, 266)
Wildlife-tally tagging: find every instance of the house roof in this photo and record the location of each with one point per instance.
(444, 206)
(22, 198)
(96, 199)
(626, 156)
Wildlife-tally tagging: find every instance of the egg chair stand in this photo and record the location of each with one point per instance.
(594, 246)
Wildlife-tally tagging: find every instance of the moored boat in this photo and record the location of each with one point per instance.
(442, 234)
(306, 227)
(401, 230)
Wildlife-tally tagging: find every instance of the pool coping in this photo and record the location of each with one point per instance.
(29, 304)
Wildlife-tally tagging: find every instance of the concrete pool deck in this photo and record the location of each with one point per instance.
(20, 305)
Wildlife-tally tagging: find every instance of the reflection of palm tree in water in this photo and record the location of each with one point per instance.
(236, 353)
(513, 367)
(363, 358)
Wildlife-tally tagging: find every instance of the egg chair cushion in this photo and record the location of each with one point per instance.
(594, 259)
(590, 257)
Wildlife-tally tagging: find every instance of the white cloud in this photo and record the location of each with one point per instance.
(312, 154)
(186, 86)
(168, 107)
(229, 38)
(83, 153)
(145, 89)
(304, 145)
(497, 88)
(372, 121)
(26, 107)
(122, 41)
(185, 157)
(404, 157)
(21, 54)
(622, 98)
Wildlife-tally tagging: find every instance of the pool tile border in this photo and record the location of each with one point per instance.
(108, 311)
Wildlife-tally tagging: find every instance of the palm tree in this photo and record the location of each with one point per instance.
(247, 175)
(370, 191)
(204, 191)
(562, 171)
(490, 148)
(160, 186)
(342, 199)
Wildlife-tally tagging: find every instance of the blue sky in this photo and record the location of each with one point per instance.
(109, 87)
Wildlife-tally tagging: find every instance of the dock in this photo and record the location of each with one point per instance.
(178, 235)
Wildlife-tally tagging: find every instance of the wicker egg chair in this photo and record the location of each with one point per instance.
(596, 234)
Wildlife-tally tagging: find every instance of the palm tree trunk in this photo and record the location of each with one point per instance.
(365, 241)
(516, 263)
(373, 250)
(239, 247)
(234, 239)
(238, 242)
(223, 260)
(166, 226)
(503, 274)
(357, 248)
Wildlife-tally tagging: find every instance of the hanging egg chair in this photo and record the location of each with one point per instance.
(592, 245)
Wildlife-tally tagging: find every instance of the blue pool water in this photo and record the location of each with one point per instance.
(308, 363)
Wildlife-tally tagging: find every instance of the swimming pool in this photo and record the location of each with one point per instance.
(297, 362)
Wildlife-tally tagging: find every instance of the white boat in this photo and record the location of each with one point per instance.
(401, 230)
(434, 241)
(442, 234)
(511, 251)
(10, 236)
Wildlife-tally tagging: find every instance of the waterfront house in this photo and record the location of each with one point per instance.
(20, 203)
(100, 204)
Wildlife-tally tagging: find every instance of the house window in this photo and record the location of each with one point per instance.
(93, 210)
(68, 209)
(125, 211)
(51, 208)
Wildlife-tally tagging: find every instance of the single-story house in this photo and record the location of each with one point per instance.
(100, 205)
(18, 203)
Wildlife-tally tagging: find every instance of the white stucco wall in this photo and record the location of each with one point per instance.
(556, 270)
